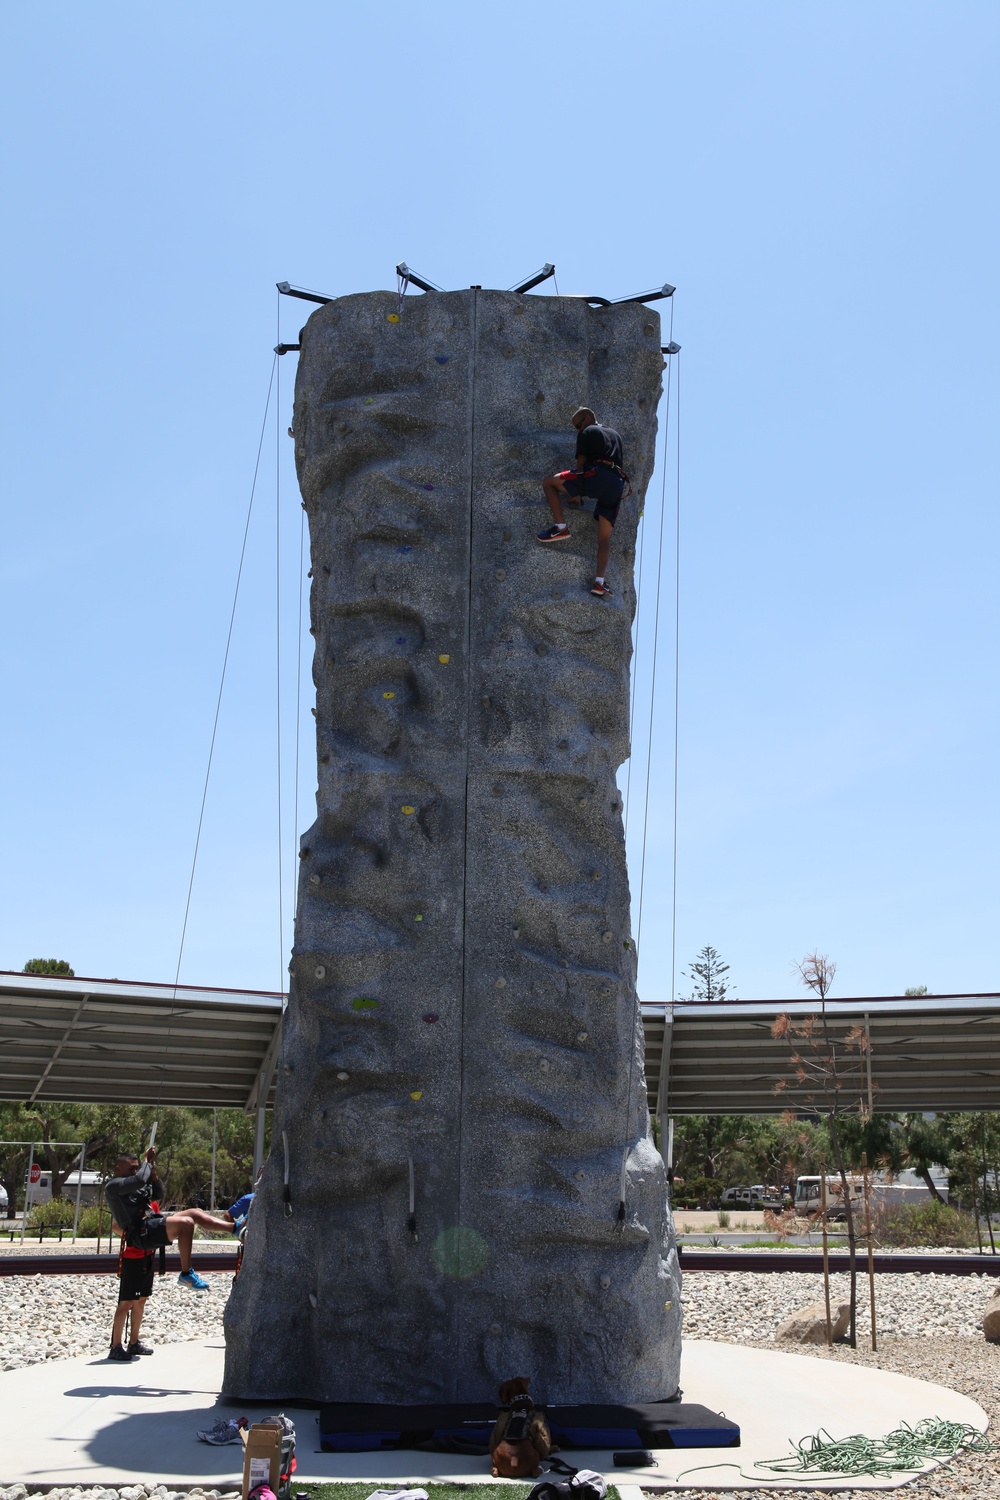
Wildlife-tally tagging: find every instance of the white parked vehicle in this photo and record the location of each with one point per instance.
(907, 1187)
(41, 1191)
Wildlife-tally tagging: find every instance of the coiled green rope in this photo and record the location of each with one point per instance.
(904, 1450)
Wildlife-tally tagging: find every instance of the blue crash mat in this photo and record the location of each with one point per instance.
(365, 1428)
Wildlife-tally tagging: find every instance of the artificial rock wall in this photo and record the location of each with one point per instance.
(462, 1029)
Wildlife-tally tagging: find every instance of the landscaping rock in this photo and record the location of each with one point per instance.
(808, 1325)
(991, 1319)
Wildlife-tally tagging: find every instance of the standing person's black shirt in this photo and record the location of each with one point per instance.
(129, 1197)
(596, 441)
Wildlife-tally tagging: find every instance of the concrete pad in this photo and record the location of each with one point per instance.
(87, 1421)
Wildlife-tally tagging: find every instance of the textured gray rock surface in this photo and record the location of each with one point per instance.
(463, 982)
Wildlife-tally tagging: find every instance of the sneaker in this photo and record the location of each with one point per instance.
(192, 1280)
(600, 589)
(139, 1348)
(120, 1355)
(223, 1432)
(554, 534)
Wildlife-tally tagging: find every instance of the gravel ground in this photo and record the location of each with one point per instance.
(928, 1327)
(57, 1317)
(130, 1492)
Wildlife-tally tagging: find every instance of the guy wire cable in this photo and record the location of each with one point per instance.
(277, 653)
(638, 595)
(218, 706)
(677, 685)
(652, 686)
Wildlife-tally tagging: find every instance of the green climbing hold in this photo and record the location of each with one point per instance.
(364, 1002)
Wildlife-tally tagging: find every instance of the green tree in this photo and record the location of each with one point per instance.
(927, 1143)
(709, 975)
(55, 966)
(917, 989)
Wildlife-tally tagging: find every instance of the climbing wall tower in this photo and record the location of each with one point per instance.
(461, 1081)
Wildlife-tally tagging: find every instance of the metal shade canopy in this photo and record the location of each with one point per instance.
(938, 1053)
(94, 1041)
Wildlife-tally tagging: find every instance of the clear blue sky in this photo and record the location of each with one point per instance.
(817, 179)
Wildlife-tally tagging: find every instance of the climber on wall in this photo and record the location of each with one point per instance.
(598, 475)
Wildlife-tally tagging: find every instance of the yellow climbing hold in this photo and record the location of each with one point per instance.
(388, 695)
(668, 1305)
(369, 400)
(408, 810)
(419, 917)
(444, 660)
(392, 317)
(419, 1094)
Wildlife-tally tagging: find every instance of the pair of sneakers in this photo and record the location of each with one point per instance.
(562, 534)
(122, 1356)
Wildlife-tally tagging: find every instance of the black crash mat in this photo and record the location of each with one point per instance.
(364, 1428)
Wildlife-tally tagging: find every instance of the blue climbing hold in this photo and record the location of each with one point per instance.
(406, 549)
(442, 359)
(428, 486)
(401, 640)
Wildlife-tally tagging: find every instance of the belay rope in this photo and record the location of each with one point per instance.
(905, 1450)
(622, 1214)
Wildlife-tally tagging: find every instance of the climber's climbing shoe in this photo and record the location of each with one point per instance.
(554, 534)
(600, 589)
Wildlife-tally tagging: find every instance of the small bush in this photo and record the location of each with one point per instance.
(90, 1226)
(723, 1218)
(932, 1224)
(56, 1214)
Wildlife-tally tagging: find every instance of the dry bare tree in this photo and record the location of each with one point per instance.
(830, 1068)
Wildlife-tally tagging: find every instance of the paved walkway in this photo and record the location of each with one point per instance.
(87, 1421)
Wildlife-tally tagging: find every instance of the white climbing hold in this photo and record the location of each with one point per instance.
(605, 938)
(579, 1176)
(501, 984)
(314, 880)
(544, 1064)
(343, 1077)
(320, 972)
(582, 1036)
(605, 1283)
(314, 1300)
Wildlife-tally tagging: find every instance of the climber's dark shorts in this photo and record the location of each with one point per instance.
(136, 1279)
(600, 484)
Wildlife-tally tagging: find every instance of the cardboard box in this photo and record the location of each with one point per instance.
(261, 1456)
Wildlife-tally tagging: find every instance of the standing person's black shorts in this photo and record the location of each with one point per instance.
(601, 484)
(136, 1278)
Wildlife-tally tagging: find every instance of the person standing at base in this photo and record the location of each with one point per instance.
(599, 476)
(135, 1284)
(130, 1194)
